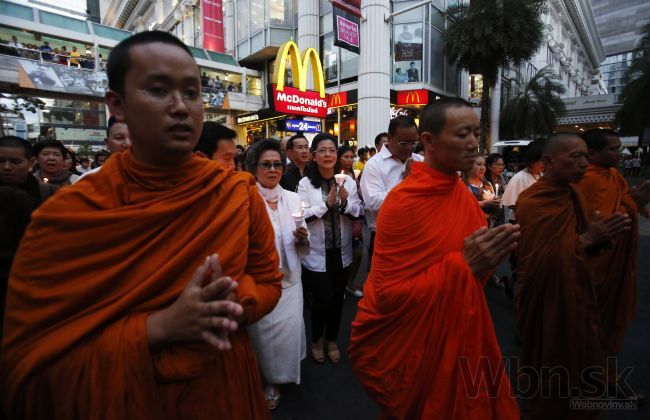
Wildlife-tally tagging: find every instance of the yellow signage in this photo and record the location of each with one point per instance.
(299, 67)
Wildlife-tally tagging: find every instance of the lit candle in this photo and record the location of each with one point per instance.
(357, 172)
(496, 189)
(340, 178)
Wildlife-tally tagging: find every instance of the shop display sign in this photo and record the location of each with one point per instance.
(303, 126)
(346, 30)
(413, 97)
(298, 100)
(247, 118)
(212, 17)
(337, 99)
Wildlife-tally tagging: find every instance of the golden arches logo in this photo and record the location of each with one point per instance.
(299, 67)
(335, 99)
(413, 97)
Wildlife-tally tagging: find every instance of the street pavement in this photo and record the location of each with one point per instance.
(331, 392)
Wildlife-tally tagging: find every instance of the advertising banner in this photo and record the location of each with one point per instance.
(294, 101)
(58, 78)
(302, 126)
(413, 97)
(407, 40)
(346, 30)
(212, 18)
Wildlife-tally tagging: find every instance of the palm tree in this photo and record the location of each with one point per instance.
(534, 110)
(486, 35)
(634, 115)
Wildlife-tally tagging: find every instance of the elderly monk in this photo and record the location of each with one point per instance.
(423, 342)
(613, 271)
(117, 307)
(561, 355)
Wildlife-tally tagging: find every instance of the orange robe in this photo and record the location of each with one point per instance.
(557, 316)
(423, 329)
(614, 271)
(103, 254)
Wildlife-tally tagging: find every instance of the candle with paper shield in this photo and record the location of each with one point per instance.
(496, 190)
(357, 172)
(298, 218)
(340, 178)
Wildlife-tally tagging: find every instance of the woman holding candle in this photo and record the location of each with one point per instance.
(494, 174)
(331, 200)
(279, 338)
(482, 189)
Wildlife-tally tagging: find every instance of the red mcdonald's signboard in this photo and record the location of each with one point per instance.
(337, 99)
(413, 97)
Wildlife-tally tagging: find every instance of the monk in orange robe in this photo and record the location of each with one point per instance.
(558, 321)
(423, 343)
(113, 309)
(614, 270)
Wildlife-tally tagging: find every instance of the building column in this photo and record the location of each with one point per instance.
(373, 114)
(229, 26)
(308, 30)
(495, 112)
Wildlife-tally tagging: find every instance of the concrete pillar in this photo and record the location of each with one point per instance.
(373, 114)
(229, 26)
(308, 30)
(495, 113)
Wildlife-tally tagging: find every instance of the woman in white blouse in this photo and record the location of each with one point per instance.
(329, 211)
(279, 338)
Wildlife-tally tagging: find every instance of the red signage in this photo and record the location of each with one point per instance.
(350, 6)
(337, 99)
(296, 102)
(212, 25)
(413, 97)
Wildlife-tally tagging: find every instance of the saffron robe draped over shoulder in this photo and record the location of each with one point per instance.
(423, 336)
(98, 258)
(613, 271)
(557, 316)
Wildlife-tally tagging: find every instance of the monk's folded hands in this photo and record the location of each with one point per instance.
(484, 249)
(602, 230)
(205, 311)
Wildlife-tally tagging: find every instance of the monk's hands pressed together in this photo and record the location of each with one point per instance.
(206, 310)
(484, 249)
(603, 229)
(641, 194)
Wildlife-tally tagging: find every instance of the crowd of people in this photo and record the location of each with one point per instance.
(47, 53)
(185, 262)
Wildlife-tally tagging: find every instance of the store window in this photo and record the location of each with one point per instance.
(256, 16)
(436, 75)
(280, 13)
(242, 20)
(329, 58)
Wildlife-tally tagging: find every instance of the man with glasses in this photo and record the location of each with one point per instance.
(50, 155)
(388, 168)
(614, 270)
(298, 153)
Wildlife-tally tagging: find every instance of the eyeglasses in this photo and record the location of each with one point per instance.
(324, 151)
(267, 166)
(410, 144)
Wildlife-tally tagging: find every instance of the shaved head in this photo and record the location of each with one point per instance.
(565, 158)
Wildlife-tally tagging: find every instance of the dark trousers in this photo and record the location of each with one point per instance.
(371, 248)
(327, 290)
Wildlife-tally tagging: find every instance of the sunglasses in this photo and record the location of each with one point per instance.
(266, 165)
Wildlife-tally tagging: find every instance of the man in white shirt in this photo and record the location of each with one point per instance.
(524, 178)
(117, 140)
(388, 168)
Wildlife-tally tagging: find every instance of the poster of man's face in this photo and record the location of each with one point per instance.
(42, 76)
(73, 79)
(96, 81)
(407, 39)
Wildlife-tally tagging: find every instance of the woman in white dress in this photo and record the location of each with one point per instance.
(279, 338)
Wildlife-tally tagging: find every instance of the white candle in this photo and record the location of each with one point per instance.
(357, 172)
(340, 178)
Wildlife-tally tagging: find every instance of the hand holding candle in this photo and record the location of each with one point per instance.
(340, 178)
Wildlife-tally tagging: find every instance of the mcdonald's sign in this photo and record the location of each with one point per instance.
(337, 99)
(413, 97)
(298, 100)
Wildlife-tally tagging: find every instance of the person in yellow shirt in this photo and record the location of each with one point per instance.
(363, 158)
(74, 57)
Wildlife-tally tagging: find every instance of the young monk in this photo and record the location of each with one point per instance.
(423, 329)
(614, 270)
(561, 354)
(118, 307)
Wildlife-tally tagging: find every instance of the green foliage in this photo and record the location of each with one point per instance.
(85, 150)
(634, 115)
(534, 110)
(485, 35)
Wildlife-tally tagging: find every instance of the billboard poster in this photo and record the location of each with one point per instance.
(346, 30)
(58, 78)
(212, 20)
(407, 40)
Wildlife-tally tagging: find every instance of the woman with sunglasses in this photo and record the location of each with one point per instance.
(328, 209)
(279, 338)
